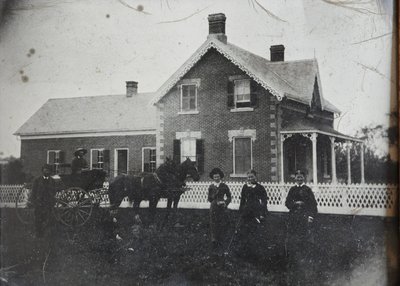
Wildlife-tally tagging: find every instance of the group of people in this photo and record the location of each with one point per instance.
(44, 188)
(253, 207)
(253, 210)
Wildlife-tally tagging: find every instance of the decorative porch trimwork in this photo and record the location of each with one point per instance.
(313, 137)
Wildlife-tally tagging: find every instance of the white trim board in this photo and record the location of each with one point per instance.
(89, 134)
(146, 148)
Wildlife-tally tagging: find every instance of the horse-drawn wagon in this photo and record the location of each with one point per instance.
(76, 196)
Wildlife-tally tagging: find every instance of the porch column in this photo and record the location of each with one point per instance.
(362, 163)
(348, 147)
(333, 160)
(314, 157)
(282, 175)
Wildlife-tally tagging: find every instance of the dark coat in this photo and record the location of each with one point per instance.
(78, 164)
(253, 202)
(219, 193)
(218, 219)
(304, 194)
(43, 192)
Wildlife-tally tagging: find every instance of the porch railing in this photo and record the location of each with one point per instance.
(353, 199)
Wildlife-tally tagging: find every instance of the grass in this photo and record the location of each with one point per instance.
(346, 251)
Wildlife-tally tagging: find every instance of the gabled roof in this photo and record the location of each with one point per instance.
(291, 79)
(301, 76)
(109, 113)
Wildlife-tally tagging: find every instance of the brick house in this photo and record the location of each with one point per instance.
(117, 130)
(224, 107)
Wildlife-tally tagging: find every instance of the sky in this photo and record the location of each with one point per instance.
(58, 49)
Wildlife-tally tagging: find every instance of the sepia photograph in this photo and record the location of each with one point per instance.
(214, 142)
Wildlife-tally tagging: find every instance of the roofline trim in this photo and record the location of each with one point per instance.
(289, 96)
(210, 43)
(324, 133)
(87, 134)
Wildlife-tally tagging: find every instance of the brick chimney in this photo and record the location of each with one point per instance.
(131, 88)
(277, 53)
(216, 27)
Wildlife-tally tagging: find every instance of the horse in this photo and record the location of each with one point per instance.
(167, 182)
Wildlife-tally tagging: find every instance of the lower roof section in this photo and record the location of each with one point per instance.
(89, 134)
(311, 126)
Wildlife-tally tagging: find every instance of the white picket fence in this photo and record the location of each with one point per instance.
(353, 199)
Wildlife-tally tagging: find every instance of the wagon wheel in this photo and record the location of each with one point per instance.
(73, 206)
(23, 206)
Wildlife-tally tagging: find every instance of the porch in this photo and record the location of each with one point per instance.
(312, 149)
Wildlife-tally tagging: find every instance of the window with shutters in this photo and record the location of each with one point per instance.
(242, 94)
(96, 158)
(149, 159)
(54, 158)
(188, 97)
(242, 155)
(188, 144)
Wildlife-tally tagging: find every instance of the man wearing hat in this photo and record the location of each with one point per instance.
(43, 199)
(79, 163)
(219, 196)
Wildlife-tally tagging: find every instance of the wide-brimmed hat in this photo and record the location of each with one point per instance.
(216, 171)
(80, 150)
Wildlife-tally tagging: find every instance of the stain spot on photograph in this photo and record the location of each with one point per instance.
(140, 8)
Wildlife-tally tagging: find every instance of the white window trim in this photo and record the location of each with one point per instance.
(187, 134)
(242, 109)
(242, 133)
(182, 135)
(57, 170)
(194, 111)
(234, 90)
(234, 108)
(116, 160)
(91, 156)
(234, 174)
(48, 157)
(145, 148)
(189, 112)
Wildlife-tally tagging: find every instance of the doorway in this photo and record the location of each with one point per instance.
(121, 164)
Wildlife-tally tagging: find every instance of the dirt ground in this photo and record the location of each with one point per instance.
(346, 251)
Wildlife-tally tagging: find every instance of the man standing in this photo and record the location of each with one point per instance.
(43, 199)
(79, 163)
